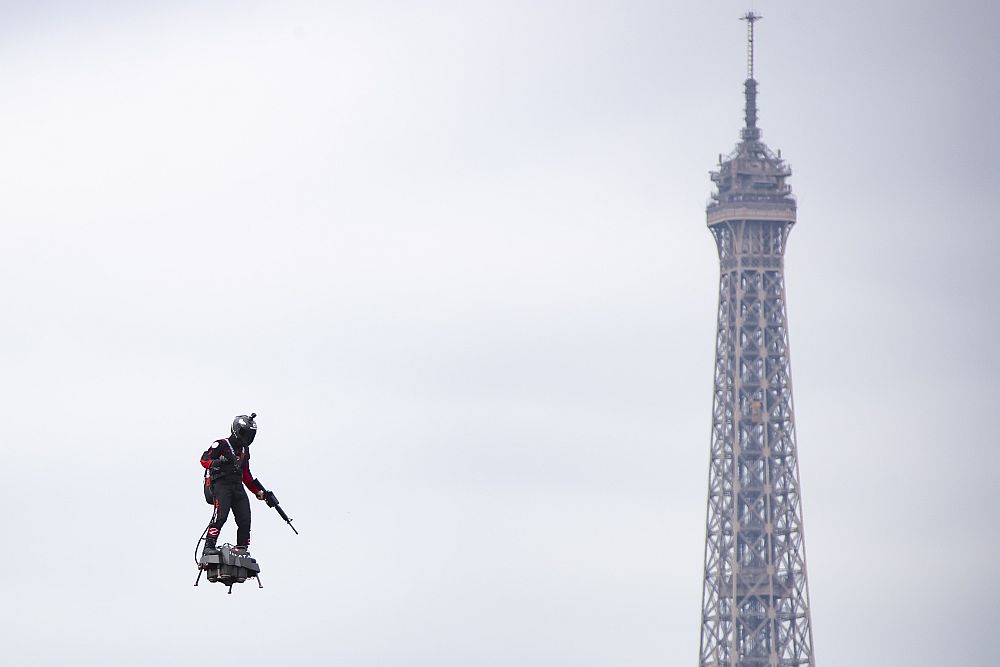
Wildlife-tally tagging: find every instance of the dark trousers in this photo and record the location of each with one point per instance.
(231, 494)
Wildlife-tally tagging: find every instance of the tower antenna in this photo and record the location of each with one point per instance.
(750, 18)
(750, 132)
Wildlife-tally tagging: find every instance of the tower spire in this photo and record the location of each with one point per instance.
(750, 132)
(750, 18)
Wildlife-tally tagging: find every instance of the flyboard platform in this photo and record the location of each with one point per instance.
(228, 567)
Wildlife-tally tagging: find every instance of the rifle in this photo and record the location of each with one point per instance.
(272, 501)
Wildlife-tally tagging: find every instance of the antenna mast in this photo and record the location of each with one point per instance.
(750, 18)
(750, 132)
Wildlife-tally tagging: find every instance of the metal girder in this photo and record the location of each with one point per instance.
(755, 605)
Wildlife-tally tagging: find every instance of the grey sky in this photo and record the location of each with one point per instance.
(454, 254)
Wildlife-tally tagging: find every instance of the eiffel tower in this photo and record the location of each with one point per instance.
(755, 600)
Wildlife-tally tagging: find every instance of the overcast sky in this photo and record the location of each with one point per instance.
(454, 255)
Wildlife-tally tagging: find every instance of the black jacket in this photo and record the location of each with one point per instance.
(236, 468)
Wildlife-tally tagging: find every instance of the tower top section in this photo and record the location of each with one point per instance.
(751, 181)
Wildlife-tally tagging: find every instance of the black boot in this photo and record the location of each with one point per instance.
(209, 549)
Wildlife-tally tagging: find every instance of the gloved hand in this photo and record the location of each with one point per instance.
(219, 462)
(260, 495)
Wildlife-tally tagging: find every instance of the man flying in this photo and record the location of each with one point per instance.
(228, 465)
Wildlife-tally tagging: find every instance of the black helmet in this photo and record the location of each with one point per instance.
(245, 428)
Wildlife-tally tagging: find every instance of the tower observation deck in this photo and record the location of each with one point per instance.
(755, 599)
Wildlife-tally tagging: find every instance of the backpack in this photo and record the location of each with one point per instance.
(209, 493)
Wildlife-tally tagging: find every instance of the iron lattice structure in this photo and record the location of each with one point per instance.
(755, 604)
